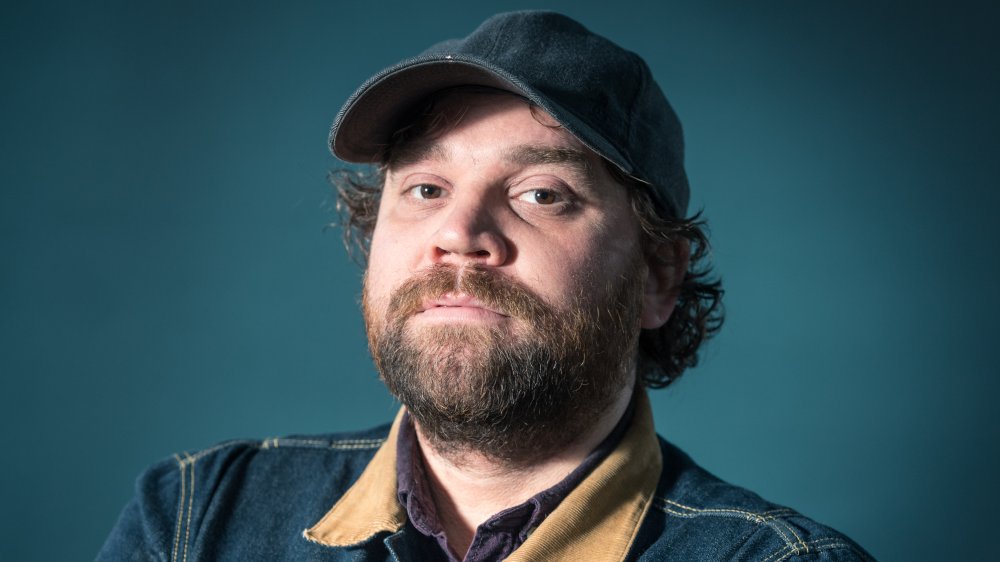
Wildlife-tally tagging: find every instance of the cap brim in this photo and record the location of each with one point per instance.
(370, 116)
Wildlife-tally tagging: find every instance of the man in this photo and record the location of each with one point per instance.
(530, 271)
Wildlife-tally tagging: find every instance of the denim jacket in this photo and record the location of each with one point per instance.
(271, 500)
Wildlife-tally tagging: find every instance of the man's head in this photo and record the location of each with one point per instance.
(512, 266)
(505, 283)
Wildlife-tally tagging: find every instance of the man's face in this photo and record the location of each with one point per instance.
(504, 283)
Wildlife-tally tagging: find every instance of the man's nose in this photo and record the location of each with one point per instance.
(470, 233)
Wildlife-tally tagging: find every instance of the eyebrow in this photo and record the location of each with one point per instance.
(534, 155)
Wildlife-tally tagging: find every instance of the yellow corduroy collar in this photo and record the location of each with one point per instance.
(597, 521)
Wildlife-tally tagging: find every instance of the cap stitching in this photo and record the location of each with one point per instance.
(496, 39)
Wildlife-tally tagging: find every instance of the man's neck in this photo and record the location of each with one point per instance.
(469, 487)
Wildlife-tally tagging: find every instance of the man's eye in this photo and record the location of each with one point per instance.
(540, 196)
(426, 191)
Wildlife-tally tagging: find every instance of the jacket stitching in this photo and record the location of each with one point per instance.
(750, 515)
(782, 511)
(180, 511)
(187, 530)
(187, 462)
(730, 513)
(828, 543)
(771, 519)
(190, 459)
(186, 498)
(274, 443)
(798, 539)
(355, 447)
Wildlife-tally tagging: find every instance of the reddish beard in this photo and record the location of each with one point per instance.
(508, 391)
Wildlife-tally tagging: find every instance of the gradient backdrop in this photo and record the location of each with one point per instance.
(168, 282)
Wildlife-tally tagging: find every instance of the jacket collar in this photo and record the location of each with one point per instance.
(597, 521)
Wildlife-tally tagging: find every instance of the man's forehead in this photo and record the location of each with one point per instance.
(580, 160)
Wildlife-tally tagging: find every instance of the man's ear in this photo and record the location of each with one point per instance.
(666, 265)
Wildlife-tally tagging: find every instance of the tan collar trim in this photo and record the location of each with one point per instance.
(370, 506)
(597, 521)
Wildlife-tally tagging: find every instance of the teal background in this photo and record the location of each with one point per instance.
(168, 281)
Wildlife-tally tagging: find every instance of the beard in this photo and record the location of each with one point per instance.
(508, 392)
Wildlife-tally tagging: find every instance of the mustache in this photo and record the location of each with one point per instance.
(495, 290)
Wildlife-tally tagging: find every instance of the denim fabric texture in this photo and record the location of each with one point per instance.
(252, 500)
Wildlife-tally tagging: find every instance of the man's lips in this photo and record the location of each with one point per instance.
(457, 307)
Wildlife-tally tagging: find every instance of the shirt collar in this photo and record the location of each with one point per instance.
(597, 521)
(501, 534)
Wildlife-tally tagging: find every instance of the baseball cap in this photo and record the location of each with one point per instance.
(602, 94)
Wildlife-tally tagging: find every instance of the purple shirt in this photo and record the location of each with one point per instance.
(497, 537)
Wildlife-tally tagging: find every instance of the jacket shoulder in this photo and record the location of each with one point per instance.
(696, 516)
(237, 481)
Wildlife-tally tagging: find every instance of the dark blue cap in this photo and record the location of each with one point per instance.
(601, 93)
